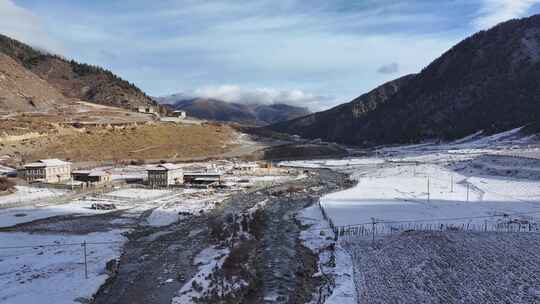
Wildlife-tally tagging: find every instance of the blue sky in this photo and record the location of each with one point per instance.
(313, 53)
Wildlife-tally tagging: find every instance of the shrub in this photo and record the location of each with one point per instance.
(6, 184)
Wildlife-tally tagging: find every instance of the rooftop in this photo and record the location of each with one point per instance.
(91, 172)
(53, 162)
(164, 167)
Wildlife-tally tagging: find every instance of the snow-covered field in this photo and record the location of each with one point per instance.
(477, 180)
(136, 193)
(190, 201)
(27, 194)
(13, 216)
(400, 193)
(435, 267)
(54, 274)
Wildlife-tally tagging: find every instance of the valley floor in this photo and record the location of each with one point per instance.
(445, 223)
(163, 246)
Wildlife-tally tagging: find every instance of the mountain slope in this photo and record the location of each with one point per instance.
(213, 109)
(23, 91)
(341, 120)
(76, 80)
(219, 110)
(490, 82)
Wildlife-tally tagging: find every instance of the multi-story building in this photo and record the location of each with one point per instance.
(47, 170)
(92, 177)
(165, 175)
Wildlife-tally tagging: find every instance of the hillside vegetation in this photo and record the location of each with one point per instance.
(22, 90)
(74, 79)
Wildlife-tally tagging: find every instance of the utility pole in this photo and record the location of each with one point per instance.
(452, 182)
(373, 229)
(85, 263)
(428, 189)
(467, 192)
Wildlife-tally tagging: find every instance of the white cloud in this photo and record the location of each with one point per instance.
(21, 24)
(497, 11)
(235, 93)
(390, 68)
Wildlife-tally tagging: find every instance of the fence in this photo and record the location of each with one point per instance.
(374, 229)
(498, 223)
(329, 220)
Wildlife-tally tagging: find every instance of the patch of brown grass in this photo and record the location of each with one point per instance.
(150, 142)
(6, 184)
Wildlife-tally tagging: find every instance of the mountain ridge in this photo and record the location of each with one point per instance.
(489, 81)
(219, 110)
(76, 80)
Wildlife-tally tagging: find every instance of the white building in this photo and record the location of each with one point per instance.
(165, 175)
(245, 167)
(180, 114)
(47, 170)
(92, 177)
(148, 110)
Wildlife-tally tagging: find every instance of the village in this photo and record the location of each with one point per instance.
(134, 213)
(47, 177)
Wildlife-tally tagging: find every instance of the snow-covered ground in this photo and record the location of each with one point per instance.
(190, 201)
(27, 194)
(137, 193)
(400, 193)
(13, 216)
(208, 261)
(470, 181)
(437, 267)
(27, 274)
(54, 274)
(336, 263)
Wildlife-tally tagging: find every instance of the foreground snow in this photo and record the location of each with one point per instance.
(446, 267)
(13, 216)
(189, 202)
(26, 194)
(137, 193)
(54, 274)
(468, 182)
(208, 261)
(336, 264)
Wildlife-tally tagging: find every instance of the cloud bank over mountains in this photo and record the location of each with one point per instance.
(238, 94)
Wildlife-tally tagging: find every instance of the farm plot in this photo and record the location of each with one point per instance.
(409, 192)
(431, 193)
(435, 267)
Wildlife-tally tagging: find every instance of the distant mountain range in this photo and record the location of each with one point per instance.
(489, 82)
(42, 73)
(219, 110)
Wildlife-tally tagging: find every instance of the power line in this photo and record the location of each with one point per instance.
(309, 229)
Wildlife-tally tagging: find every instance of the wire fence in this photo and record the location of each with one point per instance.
(376, 229)
(512, 222)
